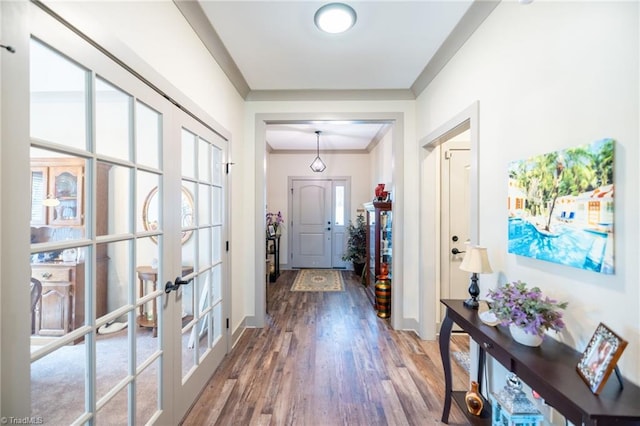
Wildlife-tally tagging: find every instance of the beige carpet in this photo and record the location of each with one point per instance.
(58, 379)
(318, 280)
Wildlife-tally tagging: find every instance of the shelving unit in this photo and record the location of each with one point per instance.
(273, 254)
(379, 247)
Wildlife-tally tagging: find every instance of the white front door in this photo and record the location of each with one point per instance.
(319, 211)
(311, 215)
(110, 228)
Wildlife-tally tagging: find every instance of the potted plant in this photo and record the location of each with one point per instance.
(356, 250)
(527, 313)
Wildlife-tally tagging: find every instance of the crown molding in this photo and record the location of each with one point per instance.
(195, 16)
(471, 20)
(331, 95)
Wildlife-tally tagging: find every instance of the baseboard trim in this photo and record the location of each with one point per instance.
(237, 333)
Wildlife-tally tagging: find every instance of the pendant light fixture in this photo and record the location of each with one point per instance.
(318, 165)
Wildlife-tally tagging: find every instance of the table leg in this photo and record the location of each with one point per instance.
(444, 341)
(481, 358)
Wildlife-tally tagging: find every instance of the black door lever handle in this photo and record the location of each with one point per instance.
(169, 286)
(456, 251)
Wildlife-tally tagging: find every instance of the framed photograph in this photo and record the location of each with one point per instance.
(600, 357)
(271, 230)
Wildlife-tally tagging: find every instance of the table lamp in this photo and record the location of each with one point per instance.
(475, 261)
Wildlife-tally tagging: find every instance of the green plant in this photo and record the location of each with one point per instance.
(356, 250)
(514, 303)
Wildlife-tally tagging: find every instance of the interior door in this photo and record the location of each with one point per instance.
(200, 330)
(312, 223)
(455, 216)
(100, 259)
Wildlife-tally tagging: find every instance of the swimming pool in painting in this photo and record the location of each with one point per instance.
(568, 245)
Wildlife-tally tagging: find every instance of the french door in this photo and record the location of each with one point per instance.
(127, 199)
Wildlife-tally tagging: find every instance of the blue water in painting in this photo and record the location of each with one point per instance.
(568, 246)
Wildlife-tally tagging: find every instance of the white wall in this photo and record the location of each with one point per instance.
(381, 168)
(548, 76)
(282, 166)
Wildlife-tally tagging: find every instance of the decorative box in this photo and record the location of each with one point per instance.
(511, 407)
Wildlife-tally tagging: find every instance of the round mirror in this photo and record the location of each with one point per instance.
(151, 217)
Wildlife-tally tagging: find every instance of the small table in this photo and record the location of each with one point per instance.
(550, 369)
(147, 273)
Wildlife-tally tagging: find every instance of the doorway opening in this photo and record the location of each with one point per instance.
(363, 181)
(436, 242)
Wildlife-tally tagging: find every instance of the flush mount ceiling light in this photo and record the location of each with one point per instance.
(335, 18)
(318, 165)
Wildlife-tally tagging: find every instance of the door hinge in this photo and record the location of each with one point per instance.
(227, 323)
(227, 245)
(447, 155)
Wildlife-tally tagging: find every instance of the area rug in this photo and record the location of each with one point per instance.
(463, 360)
(318, 280)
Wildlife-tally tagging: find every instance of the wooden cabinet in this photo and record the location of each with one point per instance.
(61, 306)
(61, 179)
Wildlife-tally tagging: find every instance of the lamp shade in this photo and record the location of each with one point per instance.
(476, 260)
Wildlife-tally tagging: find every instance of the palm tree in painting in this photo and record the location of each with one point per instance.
(603, 163)
(545, 178)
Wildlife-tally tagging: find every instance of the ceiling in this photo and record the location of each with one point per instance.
(271, 50)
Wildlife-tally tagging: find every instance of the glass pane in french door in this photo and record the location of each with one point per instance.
(58, 98)
(201, 317)
(96, 252)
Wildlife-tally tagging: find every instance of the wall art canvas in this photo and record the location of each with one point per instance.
(561, 207)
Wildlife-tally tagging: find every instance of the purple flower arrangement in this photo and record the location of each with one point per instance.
(515, 304)
(275, 219)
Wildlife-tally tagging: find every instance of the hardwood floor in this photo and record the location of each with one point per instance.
(325, 358)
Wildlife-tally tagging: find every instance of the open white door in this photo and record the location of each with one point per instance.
(455, 216)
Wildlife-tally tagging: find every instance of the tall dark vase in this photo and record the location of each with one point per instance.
(383, 296)
(358, 268)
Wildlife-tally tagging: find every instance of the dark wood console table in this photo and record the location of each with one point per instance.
(549, 369)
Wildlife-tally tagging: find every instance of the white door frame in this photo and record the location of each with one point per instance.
(430, 206)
